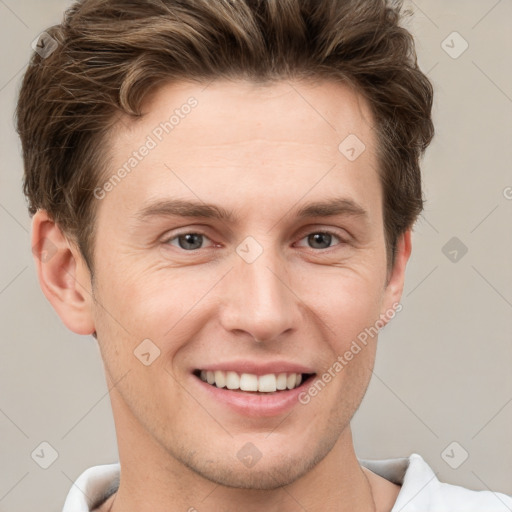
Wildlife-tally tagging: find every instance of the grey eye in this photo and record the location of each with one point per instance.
(189, 241)
(319, 240)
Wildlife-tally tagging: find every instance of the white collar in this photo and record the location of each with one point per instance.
(421, 491)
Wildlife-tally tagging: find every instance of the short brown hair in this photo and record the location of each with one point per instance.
(111, 53)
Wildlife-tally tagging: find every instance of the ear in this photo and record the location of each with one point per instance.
(63, 274)
(396, 276)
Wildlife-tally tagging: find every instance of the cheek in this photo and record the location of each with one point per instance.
(136, 298)
(164, 306)
(347, 303)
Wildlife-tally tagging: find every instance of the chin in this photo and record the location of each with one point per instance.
(268, 473)
(266, 478)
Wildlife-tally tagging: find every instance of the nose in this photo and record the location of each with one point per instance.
(259, 300)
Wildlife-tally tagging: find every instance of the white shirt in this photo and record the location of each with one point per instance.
(421, 491)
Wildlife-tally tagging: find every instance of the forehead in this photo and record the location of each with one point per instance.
(208, 139)
(306, 111)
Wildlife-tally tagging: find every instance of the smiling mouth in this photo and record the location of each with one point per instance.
(251, 383)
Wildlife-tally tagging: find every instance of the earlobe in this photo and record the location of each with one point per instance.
(63, 275)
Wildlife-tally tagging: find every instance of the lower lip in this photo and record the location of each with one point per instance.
(256, 405)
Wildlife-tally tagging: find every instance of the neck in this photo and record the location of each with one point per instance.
(164, 492)
(153, 481)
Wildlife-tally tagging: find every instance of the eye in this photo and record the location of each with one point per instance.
(188, 241)
(321, 240)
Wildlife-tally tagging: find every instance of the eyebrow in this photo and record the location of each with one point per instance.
(332, 207)
(185, 208)
(182, 208)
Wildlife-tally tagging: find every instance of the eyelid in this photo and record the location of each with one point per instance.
(304, 233)
(331, 232)
(166, 239)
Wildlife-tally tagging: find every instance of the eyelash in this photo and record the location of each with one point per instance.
(323, 232)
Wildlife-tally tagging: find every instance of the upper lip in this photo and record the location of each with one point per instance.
(240, 367)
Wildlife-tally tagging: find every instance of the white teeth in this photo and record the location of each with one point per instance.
(232, 380)
(281, 381)
(267, 383)
(220, 379)
(249, 382)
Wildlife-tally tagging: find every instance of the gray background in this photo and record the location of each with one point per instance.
(443, 367)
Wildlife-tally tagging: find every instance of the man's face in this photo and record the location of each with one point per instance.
(272, 282)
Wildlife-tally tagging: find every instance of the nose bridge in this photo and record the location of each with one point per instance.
(259, 301)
